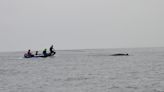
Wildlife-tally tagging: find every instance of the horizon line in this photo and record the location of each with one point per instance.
(88, 49)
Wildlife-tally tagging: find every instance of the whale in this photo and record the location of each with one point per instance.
(120, 54)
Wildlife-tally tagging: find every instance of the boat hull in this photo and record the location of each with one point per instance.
(36, 56)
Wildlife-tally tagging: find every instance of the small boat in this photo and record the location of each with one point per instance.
(40, 55)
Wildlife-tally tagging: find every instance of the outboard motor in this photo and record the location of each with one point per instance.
(26, 55)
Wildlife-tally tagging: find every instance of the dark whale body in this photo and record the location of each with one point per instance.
(120, 54)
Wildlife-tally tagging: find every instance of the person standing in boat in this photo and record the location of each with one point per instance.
(52, 49)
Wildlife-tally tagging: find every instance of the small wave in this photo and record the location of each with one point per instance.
(132, 87)
(76, 78)
(114, 87)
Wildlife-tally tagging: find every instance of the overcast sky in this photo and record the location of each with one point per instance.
(80, 24)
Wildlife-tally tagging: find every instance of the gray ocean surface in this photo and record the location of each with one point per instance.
(84, 71)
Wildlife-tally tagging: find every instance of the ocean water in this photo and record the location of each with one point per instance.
(84, 71)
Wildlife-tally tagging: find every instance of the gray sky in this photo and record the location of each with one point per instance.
(80, 24)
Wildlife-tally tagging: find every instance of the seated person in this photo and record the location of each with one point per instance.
(36, 53)
(45, 52)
